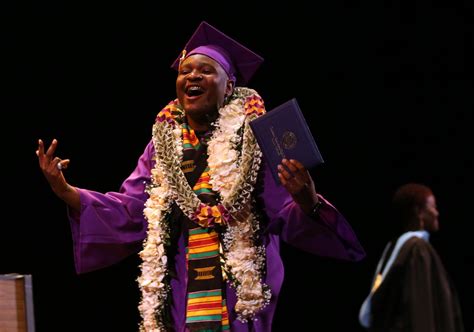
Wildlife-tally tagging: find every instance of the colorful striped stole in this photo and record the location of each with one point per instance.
(206, 308)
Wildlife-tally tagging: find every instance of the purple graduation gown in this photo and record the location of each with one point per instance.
(111, 227)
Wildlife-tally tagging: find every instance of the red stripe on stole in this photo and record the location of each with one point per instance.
(205, 306)
(213, 244)
(202, 179)
(202, 242)
(192, 139)
(225, 314)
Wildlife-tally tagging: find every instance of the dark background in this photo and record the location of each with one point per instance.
(387, 89)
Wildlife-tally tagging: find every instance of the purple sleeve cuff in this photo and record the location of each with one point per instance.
(327, 235)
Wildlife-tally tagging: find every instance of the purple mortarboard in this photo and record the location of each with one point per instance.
(239, 62)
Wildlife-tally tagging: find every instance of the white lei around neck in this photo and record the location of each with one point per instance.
(233, 175)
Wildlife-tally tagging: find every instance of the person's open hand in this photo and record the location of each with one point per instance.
(298, 182)
(52, 166)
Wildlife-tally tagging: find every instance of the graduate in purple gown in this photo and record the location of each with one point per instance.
(201, 207)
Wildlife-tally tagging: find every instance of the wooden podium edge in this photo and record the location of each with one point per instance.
(29, 303)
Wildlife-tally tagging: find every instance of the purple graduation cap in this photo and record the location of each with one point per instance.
(239, 62)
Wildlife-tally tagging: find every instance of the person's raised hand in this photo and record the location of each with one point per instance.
(52, 167)
(298, 182)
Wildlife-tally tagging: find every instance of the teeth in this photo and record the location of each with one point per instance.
(194, 90)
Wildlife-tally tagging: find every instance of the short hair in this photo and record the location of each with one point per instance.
(407, 200)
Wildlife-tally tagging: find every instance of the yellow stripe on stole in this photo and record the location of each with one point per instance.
(202, 236)
(205, 299)
(202, 185)
(192, 313)
(199, 250)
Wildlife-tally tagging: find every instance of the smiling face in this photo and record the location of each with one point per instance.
(201, 86)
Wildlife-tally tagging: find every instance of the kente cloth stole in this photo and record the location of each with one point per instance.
(206, 308)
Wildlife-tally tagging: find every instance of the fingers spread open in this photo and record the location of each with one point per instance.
(52, 148)
(40, 151)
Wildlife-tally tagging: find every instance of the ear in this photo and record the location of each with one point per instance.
(420, 217)
(229, 88)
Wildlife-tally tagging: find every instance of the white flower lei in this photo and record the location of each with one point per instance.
(234, 179)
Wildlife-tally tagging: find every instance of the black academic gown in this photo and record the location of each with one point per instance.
(416, 295)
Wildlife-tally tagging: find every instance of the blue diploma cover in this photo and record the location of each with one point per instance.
(284, 133)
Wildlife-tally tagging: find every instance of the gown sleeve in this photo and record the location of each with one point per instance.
(111, 226)
(328, 235)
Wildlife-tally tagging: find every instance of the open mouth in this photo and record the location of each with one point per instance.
(194, 91)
